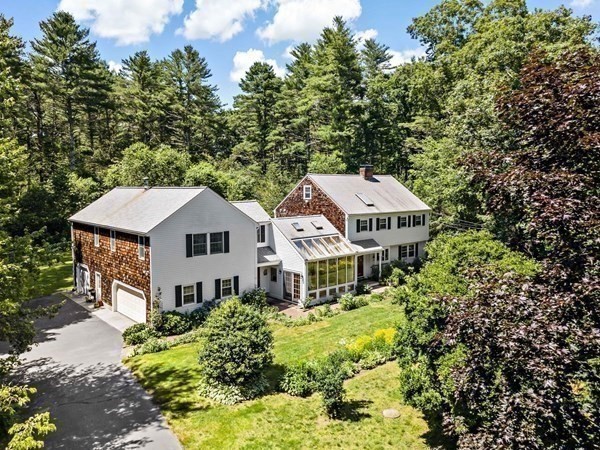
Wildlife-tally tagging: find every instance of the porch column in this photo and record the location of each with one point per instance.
(380, 258)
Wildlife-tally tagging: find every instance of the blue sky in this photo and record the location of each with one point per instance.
(232, 34)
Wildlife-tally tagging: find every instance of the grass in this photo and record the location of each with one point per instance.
(55, 277)
(281, 421)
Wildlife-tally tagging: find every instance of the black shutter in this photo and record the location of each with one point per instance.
(416, 250)
(377, 224)
(423, 220)
(199, 295)
(358, 225)
(371, 224)
(226, 242)
(408, 220)
(398, 221)
(178, 299)
(389, 223)
(236, 285)
(218, 288)
(188, 245)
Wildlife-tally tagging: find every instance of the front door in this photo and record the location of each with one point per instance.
(360, 271)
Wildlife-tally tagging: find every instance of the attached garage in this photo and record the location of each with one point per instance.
(130, 302)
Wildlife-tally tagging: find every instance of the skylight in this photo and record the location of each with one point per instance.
(297, 226)
(317, 225)
(365, 199)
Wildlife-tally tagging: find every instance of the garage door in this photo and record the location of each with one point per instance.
(131, 304)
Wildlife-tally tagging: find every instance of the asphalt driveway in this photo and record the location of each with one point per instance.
(93, 399)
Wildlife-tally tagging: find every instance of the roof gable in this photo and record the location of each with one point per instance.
(252, 209)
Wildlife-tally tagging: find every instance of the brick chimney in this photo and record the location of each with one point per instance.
(366, 171)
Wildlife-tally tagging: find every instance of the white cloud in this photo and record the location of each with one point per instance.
(216, 19)
(362, 36)
(287, 53)
(581, 3)
(303, 20)
(243, 60)
(114, 67)
(405, 56)
(127, 21)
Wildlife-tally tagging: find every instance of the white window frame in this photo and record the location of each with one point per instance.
(307, 192)
(384, 255)
(382, 220)
(222, 243)
(417, 218)
(403, 222)
(98, 285)
(223, 288)
(364, 225)
(113, 240)
(409, 250)
(188, 294)
(96, 237)
(261, 234)
(205, 244)
(141, 247)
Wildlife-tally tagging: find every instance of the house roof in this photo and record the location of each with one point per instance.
(378, 194)
(252, 209)
(135, 209)
(266, 255)
(306, 228)
(366, 246)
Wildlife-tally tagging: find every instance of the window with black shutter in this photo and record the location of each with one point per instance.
(178, 297)
(199, 296)
(218, 288)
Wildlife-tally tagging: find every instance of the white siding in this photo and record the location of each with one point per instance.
(291, 261)
(392, 237)
(206, 213)
(268, 233)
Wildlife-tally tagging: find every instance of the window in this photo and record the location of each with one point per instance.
(141, 248)
(312, 275)
(332, 272)
(199, 244)
(261, 235)
(407, 251)
(96, 237)
(226, 287)
(188, 295)
(113, 240)
(382, 223)
(417, 221)
(402, 223)
(216, 243)
(307, 192)
(274, 274)
(364, 225)
(385, 255)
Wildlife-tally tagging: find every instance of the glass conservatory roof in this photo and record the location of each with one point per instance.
(323, 247)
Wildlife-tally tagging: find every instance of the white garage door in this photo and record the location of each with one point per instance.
(131, 304)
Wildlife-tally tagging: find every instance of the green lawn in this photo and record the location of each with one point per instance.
(55, 277)
(279, 420)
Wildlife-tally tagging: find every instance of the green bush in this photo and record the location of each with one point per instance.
(363, 288)
(152, 345)
(349, 302)
(198, 316)
(228, 394)
(376, 297)
(256, 298)
(237, 346)
(324, 311)
(330, 384)
(175, 323)
(299, 380)
(138, 334)
(187, 338)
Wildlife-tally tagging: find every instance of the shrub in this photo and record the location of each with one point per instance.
(371, 359)
(198, 316)
(342, 359)
(138, 334)
(175, 323)
(228, 394)
(376, 297)
(299, 380)
(187, 338)
(256, 298)
(330, 384)
(324, 311)
(237, 346)
(152, 345)
(349, 302)
(363, 288)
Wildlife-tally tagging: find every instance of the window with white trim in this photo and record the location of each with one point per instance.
(407, 251)
(385, 255)
(216, 242)
(96, 237)
(199, 244)
(417, 220)
(382, 223)
(307, 192)
(402, 222)
(113, 240)
(141, 247)
(364, 225)
(189, 296)
(261, 234)
(226, 287)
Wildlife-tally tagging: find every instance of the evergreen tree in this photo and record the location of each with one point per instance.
(11, 79)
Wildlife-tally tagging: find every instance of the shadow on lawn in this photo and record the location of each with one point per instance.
(351, 411)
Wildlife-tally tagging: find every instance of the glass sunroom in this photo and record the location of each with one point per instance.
(330, 266)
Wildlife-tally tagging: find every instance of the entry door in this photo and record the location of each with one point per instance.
(98, 286)
(360, 271)
(291, 285)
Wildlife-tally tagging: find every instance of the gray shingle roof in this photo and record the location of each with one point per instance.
(366, 246)
(266, 255)
(285, 225)
(137, 210)
(252, 209)
(386, 193)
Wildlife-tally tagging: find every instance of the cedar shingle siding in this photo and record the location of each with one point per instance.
(320, 203)
(122, 265)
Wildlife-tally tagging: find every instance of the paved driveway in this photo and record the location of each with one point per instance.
(94, 400)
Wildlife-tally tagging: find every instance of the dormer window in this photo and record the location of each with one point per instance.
(307, 192)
